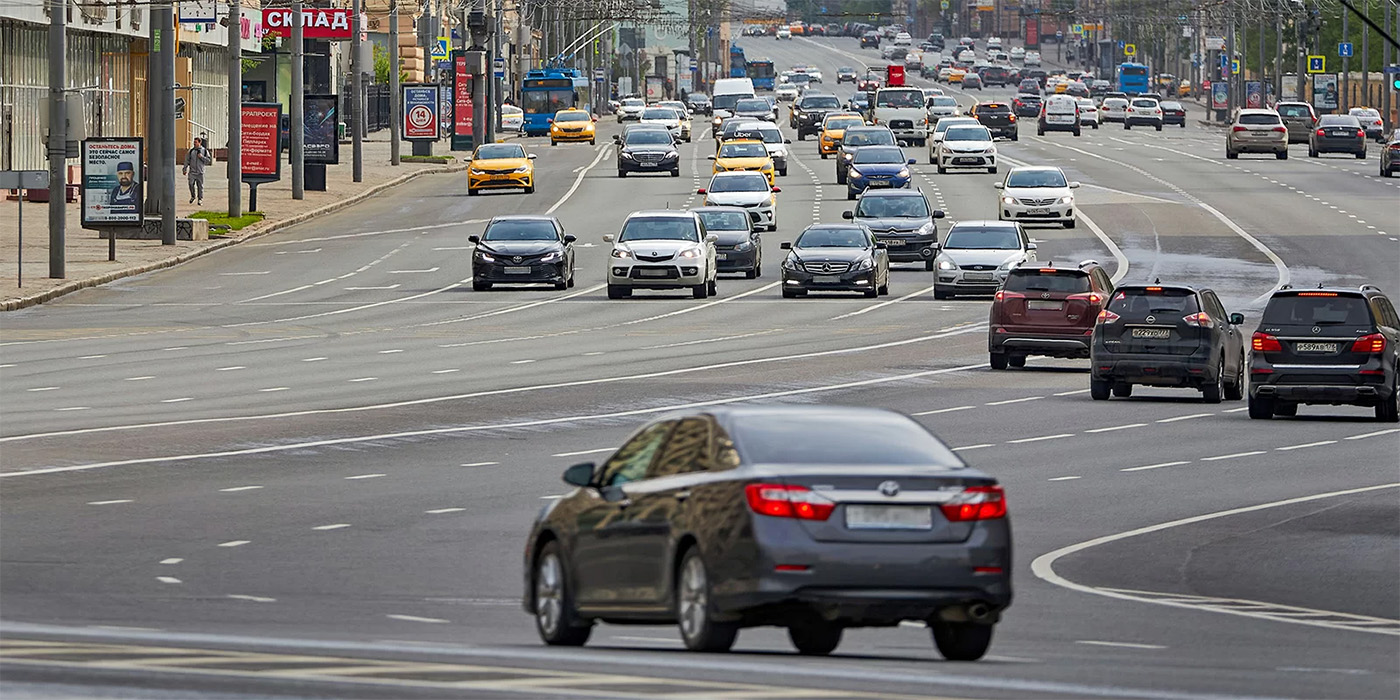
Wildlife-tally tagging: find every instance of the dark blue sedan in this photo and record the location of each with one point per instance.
(881, 167)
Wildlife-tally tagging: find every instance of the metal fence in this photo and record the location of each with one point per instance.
(376, 107)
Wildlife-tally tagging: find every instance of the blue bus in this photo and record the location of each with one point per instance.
(738, 68)
(1132, 78)
(760, 71)
(548, 90)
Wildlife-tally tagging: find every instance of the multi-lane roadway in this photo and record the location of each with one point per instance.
(305, 466)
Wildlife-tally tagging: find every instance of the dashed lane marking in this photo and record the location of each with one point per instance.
(1163, 465)
(1123, 645)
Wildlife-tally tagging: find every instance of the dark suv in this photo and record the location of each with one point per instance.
(1325, 346)
(1046, 309)
(1167, 335)
(998, 118)
(808, 113)
(870, 40)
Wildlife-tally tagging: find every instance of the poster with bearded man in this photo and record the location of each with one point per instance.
(112, 182)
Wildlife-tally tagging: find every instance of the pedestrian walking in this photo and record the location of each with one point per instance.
(195, 159)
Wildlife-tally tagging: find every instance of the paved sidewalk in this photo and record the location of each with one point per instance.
(87, 263)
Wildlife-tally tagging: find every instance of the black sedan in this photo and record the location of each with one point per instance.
(740, 247)
(647, 150)
(1174, 112)
(699, 103)
(1390, 155)
(523, 248)
(845, 74)
(812, 518)
(836, 257)
(1337, 133)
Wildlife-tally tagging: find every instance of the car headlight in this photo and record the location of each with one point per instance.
(692, 253)
(903, 172)
(790, 264)
(1067, 199)
(628, 156)
(927, 229)
(484, 257)
(673, 154)
(866, 264)
(717, 121)
(1008, 200)
(474, 171)
(767, 167)
(622, 253)
(554, 257)
(743, 246)
(852, 172)
(946, 265)
(846, 156)
(1008, 265)
(523, 169)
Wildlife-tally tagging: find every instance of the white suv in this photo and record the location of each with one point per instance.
(1143, 111)
(665, 249)
(1035, 194)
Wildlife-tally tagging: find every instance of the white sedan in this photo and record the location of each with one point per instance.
(666, 249)
(512, 118)
(669, 118)
(966, 146)
(1114, 109)
(787, 92)
(1035, 194)
(1088, 113)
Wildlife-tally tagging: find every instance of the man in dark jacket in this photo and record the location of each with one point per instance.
(195, 159)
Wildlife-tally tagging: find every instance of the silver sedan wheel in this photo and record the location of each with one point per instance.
(549, 594)
(694, 598)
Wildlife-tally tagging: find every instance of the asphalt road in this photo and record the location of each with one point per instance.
(305, 466)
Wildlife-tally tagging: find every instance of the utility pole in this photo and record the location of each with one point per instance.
(357, 103)
(297, 129)
(1386, 89)
(168, 149)
(58, 137)
(477, 66)
(1345, 101)
(235, 111)
(1300, 25)
(1365, 58)
(394, 89)
(1228, 74)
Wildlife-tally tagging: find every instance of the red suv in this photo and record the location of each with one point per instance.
(1046, 309)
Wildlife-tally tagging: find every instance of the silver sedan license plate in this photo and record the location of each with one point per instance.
(1315, 347)
(862, 517)
(978, 276)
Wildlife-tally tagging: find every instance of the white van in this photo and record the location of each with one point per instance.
(727, 92)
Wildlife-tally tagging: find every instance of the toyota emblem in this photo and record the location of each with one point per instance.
(519, 259)
(655, 254)
(1316, 330)
(1045, 295)
(1151, 319)
(826, 267)
(889, 488)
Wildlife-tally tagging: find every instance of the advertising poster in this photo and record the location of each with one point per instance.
(420, 106)
(1253, 96)
(1033, 33)
(462, 138)
(112, 182)
(316, 22)
(1219, 95)
(320, 137)
(1325, 90)
(261, 130)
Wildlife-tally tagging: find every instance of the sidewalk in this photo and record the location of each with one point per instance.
(86, 254)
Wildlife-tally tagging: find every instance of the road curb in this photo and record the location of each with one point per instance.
(258, 231)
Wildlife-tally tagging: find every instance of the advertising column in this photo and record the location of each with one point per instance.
(261, 125)
(462, 138)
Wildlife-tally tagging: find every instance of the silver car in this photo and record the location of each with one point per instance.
(744, 188)
(976, 256)
(664, 249)
(1257, 131)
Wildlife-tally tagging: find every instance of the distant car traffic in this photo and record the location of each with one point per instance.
(1143, 111)
(738, 244)
(878, 167)
(501, 166)
(647, 150)
(1257, 131)
(1338, 133)
(966, 146)
(1088, 112)
(750, 190)
(856, 138)
(1300, 118)
(1173, 112)
(572, 125)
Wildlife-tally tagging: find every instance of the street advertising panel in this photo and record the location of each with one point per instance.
(261, 132)
(1219, 95)
(316, 22)
(420, 112)
(320, 114)
(1032, 33)
(462, 138)
(112, 182)
(1253, 95)
(1325, 90)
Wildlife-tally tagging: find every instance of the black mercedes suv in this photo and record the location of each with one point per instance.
(1167, 335)
(1325, 346)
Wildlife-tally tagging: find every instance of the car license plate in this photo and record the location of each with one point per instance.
(879, 183)
(1038, 305)
(1040, 211)
(645, 272)
(650, 165)
(517, 270)
(1152, 333)
(978, 276)
(1315, 347)
(826, 279)
(721, 256)
(966, 160)
(893, 243)
(861, 517)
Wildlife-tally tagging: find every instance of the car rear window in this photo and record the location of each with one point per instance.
(1294, 111)
(994, 108)
(1145, 103)
(725, 220)
(820, 102)
(1039, 280)
(818, 439)
(1339, 120)
(1317, 309)
(1137, 302)
(1259, 119)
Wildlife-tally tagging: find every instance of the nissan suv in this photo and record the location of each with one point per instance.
(1046, 309)
(1167, 335)
(903, 221)
(1334, 346)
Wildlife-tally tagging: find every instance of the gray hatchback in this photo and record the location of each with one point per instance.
(812, 518)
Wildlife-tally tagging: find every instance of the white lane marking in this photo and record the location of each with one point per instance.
(456, 247)
(109, 503)
(1044, 565)
(1039, 439)
(481, 464)
(390, 352)
(1189, 417)
(366, 289)
(178, 347)
(883, 304)
(445, 371)
(1116, 427)
(1072, 393)
(7, 365)
(701, 307)
(74, 408)
(277, 294)
(413, 272)
(704, 341)
(1153, 466)
(650, 640)
(415, 618)
(168, 579)
(969, 448)
(229, 369)
(1237, 410)
(252, 598)
(1131, 194)
(235, 489)
(1236, 455)
(1306, 445)
(1021, 400)
(336, 526)
(179, 400)
(139, 379)
(1375, 434)
(364, 476)
(313, 359)
(91, 357)
(593, 354)
(943, 410)
(364, 379)
(1065, 478)
(414, 229)
(550, 498)
(1125, 645)
(522, 362)
(502, 426)
(1271, 611)
(172, 560)
(578, 181)
(713, 366)
(234, 543)
(238, 274)
(274, 388)
(512, 309)
(584, 452)
(43, 388)
(440, 511)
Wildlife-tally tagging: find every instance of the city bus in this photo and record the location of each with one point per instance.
(548, 90)
(1132, 78)
(738, 68)
(760, 71)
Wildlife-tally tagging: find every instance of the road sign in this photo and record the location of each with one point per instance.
(498, 67)
(179, 108)
(1344, 49)
(943, 5)
(1122, 45)
(1235, 66)
(1317, 64)
(1130, 49)
(1391, 69)
(1059, 35)
(440, 49)
(1215, 43)
(598, 75)
(1076, 29)
(420, 108)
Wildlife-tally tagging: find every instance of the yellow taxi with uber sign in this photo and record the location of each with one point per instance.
(744, 154)
(501, 166)
(572, 125)
(833, 128)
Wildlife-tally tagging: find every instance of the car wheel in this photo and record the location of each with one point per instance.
(1127, 126)
(1213, 392)
(1077, 132)
(552, 142)
(1281, 155)
(617, 291)
(942, 170)
(1159, 127)
(940, 294)
(1122, 390)
(1016, 360)
(850, 193)
(1231, 155)
(555, 619)
(1389, 411)
(1182, 125)
(480, 286)
(1096, 126)
(961, 641)
(823, 156)
(700, 291)
(1234, 390)
(530, 189)
(789, 293)
(1017, 137)
(699, 630)
(1385, 172)
(801, 136)
(993, 171)
(783, 172)
(1361, 156)
(1287, 409)
(1312, 153)
(998, 360)
(840, 178)
(713, 288)
(1099, 389)
(561, 285)
(676, 172)
(593, 142)
(751, 273)
(471, 192)
(928, 265)
(1039, 132)
(621, 173)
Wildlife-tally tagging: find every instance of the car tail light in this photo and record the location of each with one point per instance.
(1263, 342)
(1107, 316)
(1003, 295)
(976, 503)
(782, 501)
(1240, 128)
(1200, 320)
(1360, 134)
(1373, 343)
(1394, 146)
(1320, 132)
(1280, 129)
(1091, 297)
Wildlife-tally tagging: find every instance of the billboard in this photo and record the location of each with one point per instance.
(261, 133)
(420, 112)
(1325, 90)
(1253, 94)
(320, 142)
(462, 138)
(1219, 95)
(112, 182)
(316, 22)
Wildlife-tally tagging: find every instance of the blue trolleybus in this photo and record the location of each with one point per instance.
(548, 90)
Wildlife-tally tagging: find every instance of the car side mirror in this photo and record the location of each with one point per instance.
(549, 121)
(617, 139)
(785, 245)
(709, 157)
(998, 185)
(607, 238)
(570, 238)
(700, 191)
(912, 161)
(848, 215)
(787, 140)
(711, 238)
(474, 239)
(1236, 319)
(531, 156)
(880, 246)
(595, 119)
(777, 189)
(903, 144)
(1032, 246)
(938, 214)
(580, 474)
(1074, 185)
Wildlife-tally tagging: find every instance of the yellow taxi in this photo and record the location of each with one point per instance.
(744, 154)
(1184, 88)
(1061, 87)
(572, 125)
(501, 166)
(833, 128)
(956, 75)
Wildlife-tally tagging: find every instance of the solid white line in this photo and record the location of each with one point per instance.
(1072, 393)
(179, 400)
(172, 560)
(1116, 427)
(1193, 415)
(1038, 439)
(365, 476)
(522, 362)
(1153, 466)
(942, 410)
(414, 618)
(1125, 645)
(91, 357)
(367, 289)
(275, 388)
(1009, 401)
(973, 447)
(883, 304)
(578, 181)
(336, 526)
(480, 464)
(1232, 456)
(253, 598)
(1065, 478)
(229, 369)
(74, 408)
(413, 229)
(440, 511)
(312, 359)
(234, 543)
(364, 379)
(43, 388)
(1306, 445)
(1375, 434)
(276, 294)
(108, 503)
(139, 379)
(237, 274)
(445, 371)
(412, 272)
(239, 488)
(390, 352)
(168, 579)
(584, 452)
(1236, 410)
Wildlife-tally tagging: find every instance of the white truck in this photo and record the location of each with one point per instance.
(902, 110)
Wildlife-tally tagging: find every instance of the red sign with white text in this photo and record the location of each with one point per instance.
(316, 22)
(462, 105)
(258, 153)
